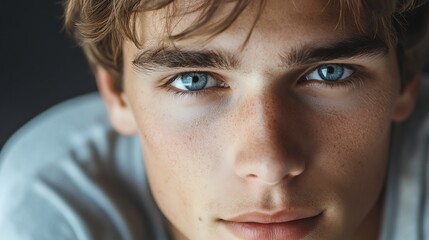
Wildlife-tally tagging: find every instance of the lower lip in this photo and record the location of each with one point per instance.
(272, 231)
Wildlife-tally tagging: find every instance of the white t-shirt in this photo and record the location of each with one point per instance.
(68, 175)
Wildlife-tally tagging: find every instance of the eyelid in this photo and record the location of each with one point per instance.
(171, 77)
(169, 80)
(359, 76)
(348, 70)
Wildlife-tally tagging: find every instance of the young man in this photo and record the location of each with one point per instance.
(255, 119)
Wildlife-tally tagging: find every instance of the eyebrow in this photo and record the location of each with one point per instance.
(163, 57)
(348, 48)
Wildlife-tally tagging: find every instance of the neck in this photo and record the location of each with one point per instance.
(370, 227)
(175, 233)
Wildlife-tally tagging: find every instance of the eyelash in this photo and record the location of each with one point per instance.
(353, 81)
(180, 93)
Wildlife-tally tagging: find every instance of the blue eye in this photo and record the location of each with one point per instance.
(193, 81)
(330, 72)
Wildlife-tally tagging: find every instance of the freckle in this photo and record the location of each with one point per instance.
(200, 219)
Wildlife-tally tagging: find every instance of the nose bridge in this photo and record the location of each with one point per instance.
(263, 117)
(262, 149)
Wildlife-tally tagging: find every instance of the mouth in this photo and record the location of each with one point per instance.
(281, 225)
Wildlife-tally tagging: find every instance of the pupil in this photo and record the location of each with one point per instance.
(195, 79)
(331, 70)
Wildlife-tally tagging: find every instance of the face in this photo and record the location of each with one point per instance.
(285, 137)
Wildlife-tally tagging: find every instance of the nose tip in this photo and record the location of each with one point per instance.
(269, 170)
(261, 166)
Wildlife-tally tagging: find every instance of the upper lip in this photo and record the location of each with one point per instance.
(274, 217)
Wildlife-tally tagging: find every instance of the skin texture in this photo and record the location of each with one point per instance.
(268, 139)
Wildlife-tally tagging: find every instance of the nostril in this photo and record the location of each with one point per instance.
(268, 170)
(252, 176)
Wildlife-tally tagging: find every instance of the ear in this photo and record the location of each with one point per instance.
(119, 109)
(407, 98)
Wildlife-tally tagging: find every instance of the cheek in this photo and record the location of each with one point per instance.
(180, 156)
(351, 149)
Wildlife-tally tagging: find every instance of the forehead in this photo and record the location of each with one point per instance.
(289, 20)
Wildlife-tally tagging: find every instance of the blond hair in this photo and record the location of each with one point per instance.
(101, 26)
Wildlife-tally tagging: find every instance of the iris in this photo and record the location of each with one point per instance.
(331, 72)
(194, 81)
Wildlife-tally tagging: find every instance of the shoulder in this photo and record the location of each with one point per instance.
(60, 178)
(51, 136)
(55, 130)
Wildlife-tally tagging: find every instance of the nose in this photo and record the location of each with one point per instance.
(267, 149)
